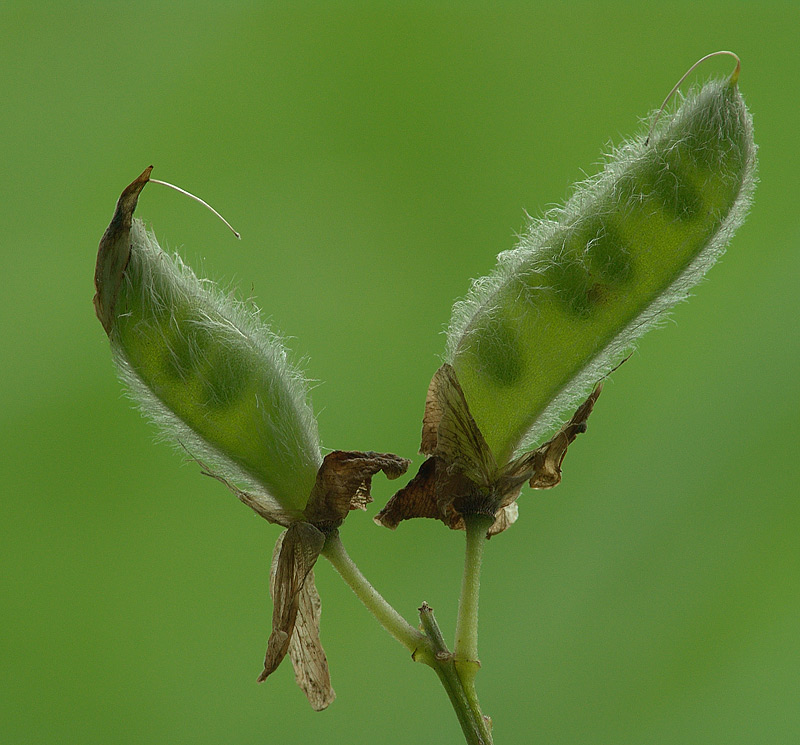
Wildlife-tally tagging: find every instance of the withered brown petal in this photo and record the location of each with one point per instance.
(114, 252)
(458, 440)
(506, 517)
(306, 652)
(416, 499)
(435, 492)
(544, 463)
(294, 557)
(432, 416)
(461, 470)
(344, 480)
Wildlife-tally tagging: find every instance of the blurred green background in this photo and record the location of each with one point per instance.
(375, 157)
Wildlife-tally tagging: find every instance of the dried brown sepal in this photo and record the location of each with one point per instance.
(294, 558)
(461, 475)
(271, 514)
(450, 432)
(343, 483)
(306, 652)
(114, 252)
(544, 463)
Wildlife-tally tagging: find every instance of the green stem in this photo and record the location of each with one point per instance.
(386, 615)
(466, 647)
(473, 724)
(465, 654)
(428, 647)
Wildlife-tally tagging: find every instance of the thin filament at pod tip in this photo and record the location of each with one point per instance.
(197, 199)
(733, 80)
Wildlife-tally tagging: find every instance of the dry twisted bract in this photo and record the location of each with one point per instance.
(564, 307)
(461, 476)
(206, 369)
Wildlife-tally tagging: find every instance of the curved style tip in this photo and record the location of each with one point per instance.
(197, 199)
(733, 80)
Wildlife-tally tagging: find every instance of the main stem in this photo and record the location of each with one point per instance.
(465, 655)
(474, 725)
(428, 647)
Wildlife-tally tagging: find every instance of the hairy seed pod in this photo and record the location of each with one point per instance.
(204, 366)
(208, 371)
(561, 309)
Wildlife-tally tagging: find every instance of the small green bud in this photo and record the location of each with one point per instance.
(204, 366)
(562, 309)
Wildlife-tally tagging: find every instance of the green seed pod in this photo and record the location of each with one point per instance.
(565, 306)
(204, 366)
(208, 371)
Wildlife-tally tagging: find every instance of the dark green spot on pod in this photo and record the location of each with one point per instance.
(181, 347)
(592, 260)
(223, 379)
(668, 181)
(569, 280)
(497, 352)
(609, 256)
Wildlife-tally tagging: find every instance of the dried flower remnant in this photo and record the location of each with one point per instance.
(343, 484)
(461, 476)
(218, 382)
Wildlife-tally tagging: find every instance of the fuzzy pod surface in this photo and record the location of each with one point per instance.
(586, 280)
(204, 367)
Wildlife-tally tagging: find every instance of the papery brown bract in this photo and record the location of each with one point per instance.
(461, 476)
(296, 552)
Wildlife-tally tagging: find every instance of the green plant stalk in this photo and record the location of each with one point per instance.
(466, 646)
(473, 724)
(415, 641)
(466, 658)
(428, 647)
